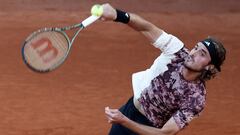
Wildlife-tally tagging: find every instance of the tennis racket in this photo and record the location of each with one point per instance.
(46, 49)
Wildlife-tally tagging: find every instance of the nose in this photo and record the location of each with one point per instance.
(193, 52)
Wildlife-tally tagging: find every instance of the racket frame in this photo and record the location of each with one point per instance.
(30, 37)
(81, 26)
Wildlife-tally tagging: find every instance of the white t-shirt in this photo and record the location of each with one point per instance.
(169, 45)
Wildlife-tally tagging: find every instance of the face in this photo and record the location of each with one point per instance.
(198, 59)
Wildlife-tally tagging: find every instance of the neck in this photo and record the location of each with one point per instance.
(189, 74)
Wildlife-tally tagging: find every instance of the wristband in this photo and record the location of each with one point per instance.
(122, 16)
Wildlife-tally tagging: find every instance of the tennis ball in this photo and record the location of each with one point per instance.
(97, 10)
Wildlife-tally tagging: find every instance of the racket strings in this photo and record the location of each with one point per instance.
(46, 50)
(61, 42)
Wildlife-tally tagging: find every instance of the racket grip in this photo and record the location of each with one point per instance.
(90, 20)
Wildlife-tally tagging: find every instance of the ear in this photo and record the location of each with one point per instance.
(209, 67)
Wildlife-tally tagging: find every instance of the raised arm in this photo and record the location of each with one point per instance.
(136, 22)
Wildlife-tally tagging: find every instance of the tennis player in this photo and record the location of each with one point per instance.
(172, 92)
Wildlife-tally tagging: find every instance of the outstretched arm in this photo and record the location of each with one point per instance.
(136, 22)
(115, 116)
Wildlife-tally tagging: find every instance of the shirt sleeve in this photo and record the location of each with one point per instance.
(190, 110)
(168, 43)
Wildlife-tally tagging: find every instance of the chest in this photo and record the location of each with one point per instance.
(173, 89)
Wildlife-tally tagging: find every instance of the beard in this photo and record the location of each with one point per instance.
(188, 64)
(190, 68)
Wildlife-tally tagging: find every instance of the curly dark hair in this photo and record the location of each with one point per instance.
(221, 55)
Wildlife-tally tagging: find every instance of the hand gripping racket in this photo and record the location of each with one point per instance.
(46, 49)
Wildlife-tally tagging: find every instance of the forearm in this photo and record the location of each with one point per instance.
(146, 130)
(139, 24)
(136, 22)
(115, 116)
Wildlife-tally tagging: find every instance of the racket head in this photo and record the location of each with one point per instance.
(45, 49)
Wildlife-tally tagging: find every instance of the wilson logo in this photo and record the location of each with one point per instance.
(45, 49)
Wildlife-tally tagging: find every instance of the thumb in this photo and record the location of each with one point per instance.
(102, 19)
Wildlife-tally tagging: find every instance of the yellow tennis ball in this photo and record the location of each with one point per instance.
(97, 10)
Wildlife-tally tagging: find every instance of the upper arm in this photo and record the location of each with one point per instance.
(190, 109)
(152, 33)
(148, 29)
(167, 43)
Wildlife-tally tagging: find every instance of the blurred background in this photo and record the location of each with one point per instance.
(97, 73)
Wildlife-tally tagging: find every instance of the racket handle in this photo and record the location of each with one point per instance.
(90, 20)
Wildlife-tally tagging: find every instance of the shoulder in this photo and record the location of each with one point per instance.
(168, 44)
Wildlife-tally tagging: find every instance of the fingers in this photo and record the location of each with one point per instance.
(109, 13)
(110, 112)
(113, 115)
(108, 115)
(103, 19)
